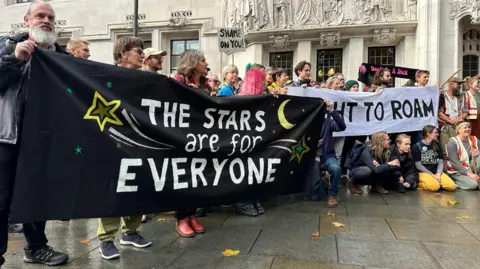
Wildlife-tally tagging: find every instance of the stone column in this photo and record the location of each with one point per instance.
(157, 43)
(304, 53)
(355, 50)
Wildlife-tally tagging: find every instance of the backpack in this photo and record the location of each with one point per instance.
(354, 156)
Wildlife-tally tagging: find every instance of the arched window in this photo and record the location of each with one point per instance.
(471, 52)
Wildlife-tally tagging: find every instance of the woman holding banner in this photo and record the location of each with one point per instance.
(192, 70)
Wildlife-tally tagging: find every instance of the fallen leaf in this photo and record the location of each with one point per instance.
(330, 214)
(13, 233)
(161, 219)
(338, 224)
(85, 241)
(453, 202)
(463, 217)
(229, 252)
(315, 234)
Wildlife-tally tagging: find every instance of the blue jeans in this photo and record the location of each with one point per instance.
(333, 167)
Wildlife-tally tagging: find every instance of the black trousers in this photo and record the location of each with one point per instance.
(34, 232)
(364, 176)
(184, 212)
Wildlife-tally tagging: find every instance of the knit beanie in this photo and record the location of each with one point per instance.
(350, 84)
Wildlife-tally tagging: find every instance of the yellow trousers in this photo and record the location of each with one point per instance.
(429, 183)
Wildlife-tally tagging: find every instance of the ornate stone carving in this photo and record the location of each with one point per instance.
(282, 12)
(253, 13)
(330, 39)
(384, 35)
(279, 41)
(129, 20)
(16, 28)
(471, 7)
(471, 42)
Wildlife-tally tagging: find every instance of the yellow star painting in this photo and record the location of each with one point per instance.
(103, 111)
(299, 149)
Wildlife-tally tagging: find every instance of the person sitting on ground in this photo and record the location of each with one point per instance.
(230, 76)
(463, 157)
(326, 157)
(428, 158)
(408, 175)
(372, 167)
(280, 78)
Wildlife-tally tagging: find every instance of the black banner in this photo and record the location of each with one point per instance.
(103, 141)
(366, 72)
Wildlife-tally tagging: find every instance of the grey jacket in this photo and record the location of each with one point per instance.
(12, 88)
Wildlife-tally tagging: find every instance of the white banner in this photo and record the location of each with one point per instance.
(394, 110)
(231, 40)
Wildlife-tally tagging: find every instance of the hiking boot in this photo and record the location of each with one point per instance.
(201, 212)
(399, 188)
(44, 255)
(379, 189)
(353, 188)
(196, 227)
(332, 202)
(183, 228)
(247, 210)
(108, 250)
(135, 239)
(259, 207)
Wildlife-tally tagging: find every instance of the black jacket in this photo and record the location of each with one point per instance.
(407, 164)
(366, 159)
(12, 88)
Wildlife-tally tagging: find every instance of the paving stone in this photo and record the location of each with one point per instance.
(81, 228)
(413, 198)
(405, 255)
(220, 238)
(296, 244)
(465, 199)
(131, 258)
(371, 198)
(431, 231)
(451, 214)
(279, 263)
(367, 228)
(455, 256)
(277, 220)
(473, 228)
(208, 259)
(319, 207)
(386, 211)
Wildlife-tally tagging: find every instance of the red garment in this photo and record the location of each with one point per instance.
(190, 80)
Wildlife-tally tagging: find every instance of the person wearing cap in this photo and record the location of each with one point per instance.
(452, 110)
(463, 157)
(472, 102)
(351, 86)
(153, 60)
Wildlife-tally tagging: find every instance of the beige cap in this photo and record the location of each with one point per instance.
(151, 51)
(455, 79)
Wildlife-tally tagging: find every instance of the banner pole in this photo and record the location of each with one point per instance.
(441, 87)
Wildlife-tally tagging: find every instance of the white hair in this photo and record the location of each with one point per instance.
(44, 37)
(36, 2)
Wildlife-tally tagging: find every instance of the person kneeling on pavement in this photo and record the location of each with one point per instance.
(326, 155)
(463, 157)
(370, 166)
(408, 175)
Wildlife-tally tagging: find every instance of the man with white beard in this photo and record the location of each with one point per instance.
(14, 55)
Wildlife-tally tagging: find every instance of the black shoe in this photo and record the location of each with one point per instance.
(201, 212)
(259, 207)
(15, 228)
(135, 239)
(44, 255)
(109, 250)
(400, 188)
(247, 210)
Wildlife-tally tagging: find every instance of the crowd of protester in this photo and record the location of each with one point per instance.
(444, 157)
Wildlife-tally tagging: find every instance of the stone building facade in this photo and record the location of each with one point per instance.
(438, 35)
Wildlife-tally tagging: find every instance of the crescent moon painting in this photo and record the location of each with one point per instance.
(281, 116)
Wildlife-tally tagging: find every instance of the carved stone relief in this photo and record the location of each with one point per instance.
(279, 41)
(330, 39)
(384, 35)
(16, 28)
(271, 14)
(470, 7)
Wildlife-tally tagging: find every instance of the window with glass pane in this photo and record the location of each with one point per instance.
(282, 60)
(177, 48)
(470, 65)
(326, 60)
(381, 56)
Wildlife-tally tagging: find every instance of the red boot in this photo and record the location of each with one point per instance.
(192, 220)
(183, 228)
